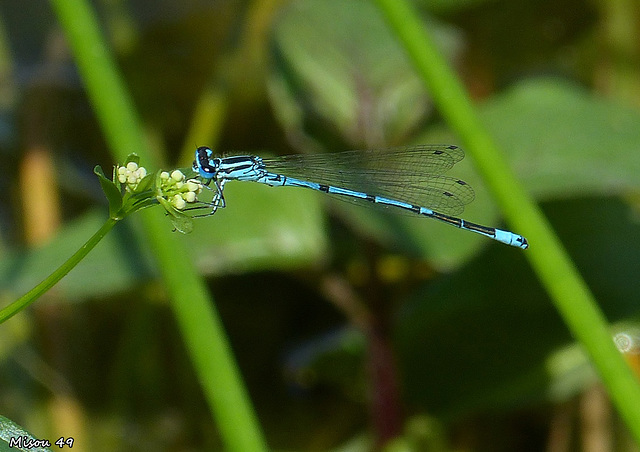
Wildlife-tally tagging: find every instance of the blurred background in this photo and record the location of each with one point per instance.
(351, 327)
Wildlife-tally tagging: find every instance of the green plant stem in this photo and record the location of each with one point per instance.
(556, 271)
(209, 347)
(192, 304)
(51, 280)
(109, 98)
(207, 121)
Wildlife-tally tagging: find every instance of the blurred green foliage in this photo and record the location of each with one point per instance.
(476, 338)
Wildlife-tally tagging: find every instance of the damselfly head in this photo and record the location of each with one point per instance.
(204, 164)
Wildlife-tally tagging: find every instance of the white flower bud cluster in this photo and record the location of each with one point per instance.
(180, 191)
(131, 175)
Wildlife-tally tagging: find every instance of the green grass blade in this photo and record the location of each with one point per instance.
(193, 307)
(546, 254)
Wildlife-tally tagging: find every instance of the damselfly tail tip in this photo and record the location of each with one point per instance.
(520, 242)
(509, 238)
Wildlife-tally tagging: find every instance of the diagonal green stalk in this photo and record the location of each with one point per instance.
(547, 256)
(51, 280)
(197, 318)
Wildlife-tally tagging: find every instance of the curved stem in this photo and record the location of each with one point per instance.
(31, 296)
(199, 322)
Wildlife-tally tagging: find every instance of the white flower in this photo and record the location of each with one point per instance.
(178, 202)
(131, 175)
(178, 191)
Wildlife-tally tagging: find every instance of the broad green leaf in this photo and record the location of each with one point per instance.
(562, 142)
(341, 77)
(262, 228)
(117, 263)
(15, 438)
